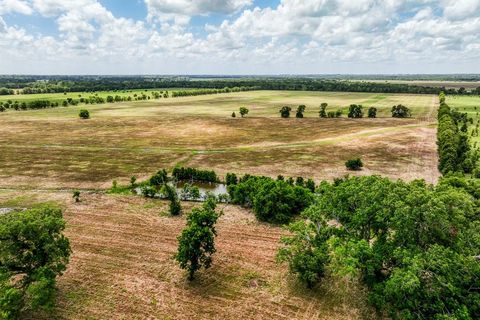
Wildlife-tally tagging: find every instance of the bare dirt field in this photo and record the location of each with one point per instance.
(55, 149)
(122, 267)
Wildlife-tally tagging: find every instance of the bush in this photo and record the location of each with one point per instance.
(84, 114)
(190, 192)
(372, 112)
(76, 195)
(354, 164)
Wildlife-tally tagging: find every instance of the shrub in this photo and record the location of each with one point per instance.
(354, 164)
(133, 182)
(84, 114)
(190, 192)
(76, 195)
(372, 112)
(234, 115)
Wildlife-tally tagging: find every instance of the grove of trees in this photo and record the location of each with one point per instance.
(414, 246)
(60, 84)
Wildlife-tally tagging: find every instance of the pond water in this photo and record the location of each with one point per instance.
(7, 210)
(216, 189)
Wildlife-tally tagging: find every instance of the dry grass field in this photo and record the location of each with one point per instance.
(122, 267)
(53, 148)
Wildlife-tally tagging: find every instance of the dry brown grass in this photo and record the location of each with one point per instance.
(53, 148)
(122, 268)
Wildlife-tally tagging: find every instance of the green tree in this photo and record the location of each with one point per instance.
(84, 114)
(196, 244)
(33, 252)
(279, 202)
(413, 246)
(306, 250)
(300, 111)
(171, 193)
(355, 111)
(372, 112)
(231, 179)
(243, 111)
(285, 112)
(401, 111)
(323, 110)
(159, 178)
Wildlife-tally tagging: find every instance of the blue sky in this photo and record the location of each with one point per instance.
(239, 36)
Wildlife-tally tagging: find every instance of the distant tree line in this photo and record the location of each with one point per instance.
(198, 92)
(33, 84)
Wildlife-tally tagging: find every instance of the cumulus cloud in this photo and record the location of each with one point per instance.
(15, 6)
(195, 7)
(296, 35)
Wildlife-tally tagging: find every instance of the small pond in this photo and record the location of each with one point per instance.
(216, 189)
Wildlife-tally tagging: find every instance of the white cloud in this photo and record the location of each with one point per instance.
(296, 36)
(195, 7)
(14, 6)
(460, 9)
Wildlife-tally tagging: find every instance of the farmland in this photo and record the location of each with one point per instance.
(52, 148)
(122, 267)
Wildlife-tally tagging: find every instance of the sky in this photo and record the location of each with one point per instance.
(239, 36)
